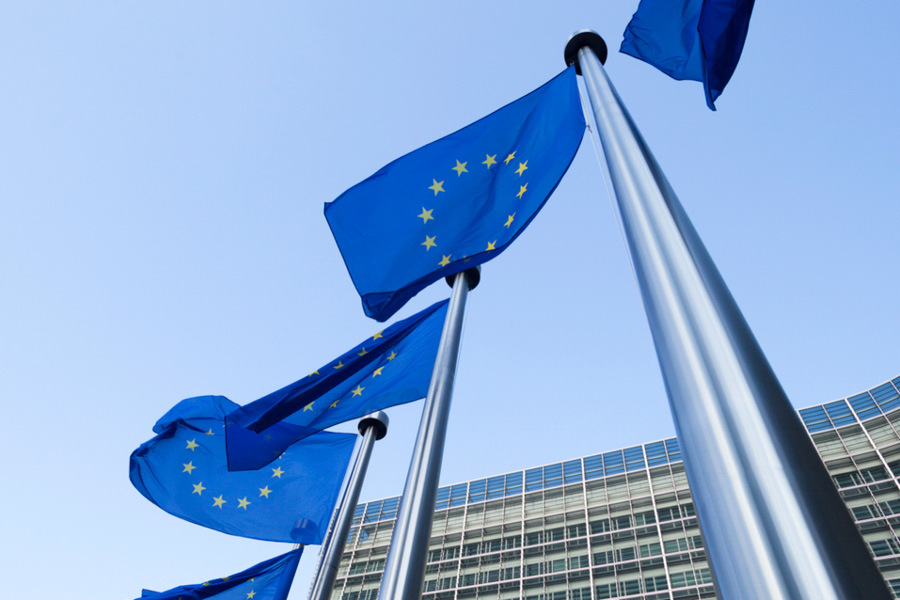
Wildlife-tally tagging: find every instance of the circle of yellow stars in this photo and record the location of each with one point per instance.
(490, 160)
(220, 501)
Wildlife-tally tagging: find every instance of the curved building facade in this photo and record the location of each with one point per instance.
(620, 524)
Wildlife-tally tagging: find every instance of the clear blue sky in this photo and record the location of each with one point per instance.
(163, 167)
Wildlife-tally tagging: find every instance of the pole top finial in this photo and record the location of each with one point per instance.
(379, 420)
(473, 277)
(586, 38)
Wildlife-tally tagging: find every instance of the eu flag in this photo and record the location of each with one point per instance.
(699, 40)
(391, 367)
(459, 201)
(183, 470)
(269, 580)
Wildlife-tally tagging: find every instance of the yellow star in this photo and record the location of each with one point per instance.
(377, 371)
(509, 158)
(316, 372)
(429, 242)
(226, 578)
(218, 501)
(188, 467)
(521, 169)
(492, 245)
(205, 583)
(377, 335)
(277, 472)
(250, 594)
(437, 186)
(392, 356)
(198, 488)
(490, 160)
(460, 168)
(242, 503)
(210, 432)
(358, 391)
(192, 444)
(426, 215)
(309, 406)
(339, 365)
(264, 491)
(509, 220)
(334, 404)
(363, 352)
(522, 189)
(446, 260)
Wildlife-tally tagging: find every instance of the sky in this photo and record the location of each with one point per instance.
(163, 168)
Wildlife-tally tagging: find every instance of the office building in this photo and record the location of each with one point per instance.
(620, 524)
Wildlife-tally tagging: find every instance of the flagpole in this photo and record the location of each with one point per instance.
(404, 568)
(773, 522)
(371, 427)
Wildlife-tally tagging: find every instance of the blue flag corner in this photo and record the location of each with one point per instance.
(269, 580)
(697, 40)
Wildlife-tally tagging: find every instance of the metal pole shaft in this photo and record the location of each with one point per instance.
(773, 522)
(372, 427)
(404, 568)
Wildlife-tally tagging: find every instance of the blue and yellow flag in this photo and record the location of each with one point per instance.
(389, 368)
(183, 470)
(269, 580)
(459, 201)
(697, 40)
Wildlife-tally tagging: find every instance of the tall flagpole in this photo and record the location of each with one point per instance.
(404, 569)
(371, 427)
(774, 525)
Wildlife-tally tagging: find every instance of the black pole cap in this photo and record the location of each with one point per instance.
(586, 38)
(379, 420)
(473, 277)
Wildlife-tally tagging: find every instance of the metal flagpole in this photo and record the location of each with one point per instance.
(773, 522)
(404, 569)
(371, 427)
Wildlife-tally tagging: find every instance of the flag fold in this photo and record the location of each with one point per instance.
(183, 470)
(698, 40)
(388, 368)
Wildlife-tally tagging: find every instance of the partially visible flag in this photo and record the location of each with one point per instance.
(269, 580)
(391, 367)
(699, 40)
(459, 201)
(183, 471)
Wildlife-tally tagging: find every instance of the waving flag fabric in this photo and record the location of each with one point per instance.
(391, 367)
(269, 580)
(459, 201)
(183, 470)
(699, 40)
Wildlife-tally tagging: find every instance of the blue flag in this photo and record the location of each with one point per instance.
(459, 201)
(391, 367)
(269, 580)
(183, 470)
(699, 40)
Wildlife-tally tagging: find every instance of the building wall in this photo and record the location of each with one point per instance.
(620, 524)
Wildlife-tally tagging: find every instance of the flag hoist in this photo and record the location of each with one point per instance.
(773, 522)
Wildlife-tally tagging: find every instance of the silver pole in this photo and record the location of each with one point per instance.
(773, 522)
(404, 569)
(371, 427)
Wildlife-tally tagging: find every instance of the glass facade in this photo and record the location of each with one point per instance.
(620, 524)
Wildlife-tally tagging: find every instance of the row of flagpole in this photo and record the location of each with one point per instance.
(773, 523)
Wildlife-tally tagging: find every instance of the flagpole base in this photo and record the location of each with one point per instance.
(581, 39)
(473, 277)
